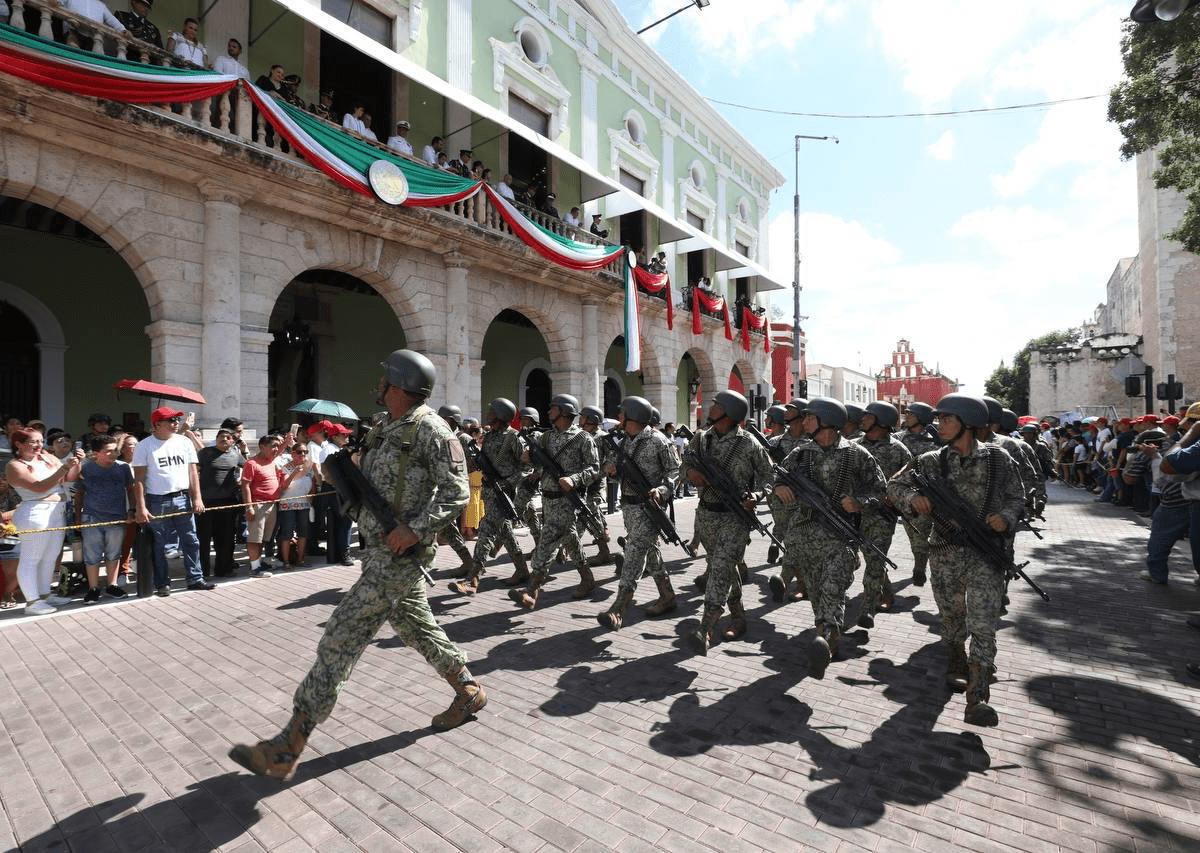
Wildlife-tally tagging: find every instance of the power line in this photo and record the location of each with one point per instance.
(1008, 108)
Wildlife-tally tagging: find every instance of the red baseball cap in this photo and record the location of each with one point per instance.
(1148, 419)
(164, 413)
(1170, 420)
(340, 429)
(1101, 420)
(320, 426)
(1126, 421)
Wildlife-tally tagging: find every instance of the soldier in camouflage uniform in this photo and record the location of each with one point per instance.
(919, 437)
(879, 523)
(968, 590)
(417, 465)
(574, 450)
(727, 446)
(784, 513)
(851, 477)
(502, 448)
(654, 455)
(589, 420)
(526, 489)
(1035, 489)
(452, 415)
(1045, 462)
(854, 415)
(1017, 449)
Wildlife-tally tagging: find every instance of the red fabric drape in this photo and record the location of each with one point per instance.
(654, 283)
(716, 304)
(750, 320)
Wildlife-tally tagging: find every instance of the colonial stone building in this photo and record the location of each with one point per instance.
(195, 249)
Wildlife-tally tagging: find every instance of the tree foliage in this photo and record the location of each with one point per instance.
(1156, 107)
(1010, 385)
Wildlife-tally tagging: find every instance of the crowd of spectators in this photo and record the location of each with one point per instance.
(197, 498)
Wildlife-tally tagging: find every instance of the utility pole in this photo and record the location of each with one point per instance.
(796, 263)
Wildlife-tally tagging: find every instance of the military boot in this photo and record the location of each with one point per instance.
(979, 712)
(468, 562)
(527, 597)
(614, 617)
(887, 597)
(772, 553)
(666, 597)
(277, 757)
(702, 638)
(866, 613)
(604, 556)
(956, 666)
(822, 649)
(737, 622)
(469, 698)
(586, 581)
(520, 573)
(618, 564)
(470, 584)
(778, 588)
(918, 577)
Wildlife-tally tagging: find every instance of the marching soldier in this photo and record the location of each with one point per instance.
(854, 415)
(417, 465)
(919, 437)
(784, 513)
(968, 590)
(991, 434)
(655, 457)
(1036, 488)
(726, 445)
(590, 418)
(848, 473)
(879, 523)
(452, 415)
(502, 448)
(527, 488)
(1045, 461)
(575, 452)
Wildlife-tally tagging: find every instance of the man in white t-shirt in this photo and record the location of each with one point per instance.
(167, 490)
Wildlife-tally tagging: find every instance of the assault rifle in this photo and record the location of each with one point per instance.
(591, 519)
(355, 492)
(955, 510)
(483, 462)
(632, 474)
(730, 494)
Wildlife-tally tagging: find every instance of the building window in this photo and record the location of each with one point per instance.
(533, 45)
(631, 182)
(359, 16)
(695, 221)
(528, 115)
(522, 67)
(635, 127)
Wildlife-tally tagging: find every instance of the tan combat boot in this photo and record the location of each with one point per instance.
(469, 698)
(666, 597)
(956, 666)
(614, 617)
(604, 556)
(737, 621)
(527, 597)
(586, 582)
(701, 640)
(918, 575)
(520, 573)
(277, 758)
(470, 584)
(979, 712)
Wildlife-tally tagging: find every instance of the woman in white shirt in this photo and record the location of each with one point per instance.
(38, 477)
(294, 506)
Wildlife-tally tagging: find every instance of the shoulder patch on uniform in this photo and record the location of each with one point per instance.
(457, 454)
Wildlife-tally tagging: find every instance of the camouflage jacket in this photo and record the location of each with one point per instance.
(889, 452)
(434, 488)
(918, 442)
(575, 451)
(786, 444)
(987, 478)
(844, 469)
(1025, 468)
(655, 456)
(140, 28)
(503, 448)
(737, 454)
(1045, 459)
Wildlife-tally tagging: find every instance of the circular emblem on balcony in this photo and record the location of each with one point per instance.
(388, 182)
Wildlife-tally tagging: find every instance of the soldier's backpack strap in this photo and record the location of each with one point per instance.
(408, 434)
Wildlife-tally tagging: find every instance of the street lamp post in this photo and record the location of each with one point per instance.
(796, 262)
(699, 4)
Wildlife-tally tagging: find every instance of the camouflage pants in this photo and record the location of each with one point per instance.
(493, 526)
(558, 531)
(594, 501)
(878, 531)
(724, 540)
(825, 565)
(783, 514)
(918, 535)
(454, 539)
(390, 589)
(523, 500)
(969, 595)
(641, 551)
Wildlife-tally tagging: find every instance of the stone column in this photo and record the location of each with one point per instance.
(221, 303)
(175, 352)
(591, 385)
(253, 345)
(662, 397)
(457, 384)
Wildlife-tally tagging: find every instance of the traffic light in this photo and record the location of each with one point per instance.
(802, 388)
(1133, 386)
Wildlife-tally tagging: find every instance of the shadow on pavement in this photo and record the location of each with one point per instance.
(1110, 717)
(331, 597)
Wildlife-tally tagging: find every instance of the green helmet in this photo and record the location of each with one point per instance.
(972, 411)
(504, 409)
(853, 413)
(885, 413)
(830, 412)
(531, 413)
(994, 409)
(655, 416)
(566, 404)
(777, 414)
(1008, 420)
(923, 412)
(733, 403)
(410, 371)
(593, 414)
(453, 413)
(637, 409)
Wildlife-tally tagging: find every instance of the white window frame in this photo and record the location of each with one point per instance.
(634, 157)
(697, 199)
(513, 72)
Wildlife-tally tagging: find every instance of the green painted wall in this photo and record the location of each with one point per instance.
(614, 359)
(102, 310)
(506, 351)
(426, 114)
(366, 330)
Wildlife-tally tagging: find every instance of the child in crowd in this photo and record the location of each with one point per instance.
(101, 503)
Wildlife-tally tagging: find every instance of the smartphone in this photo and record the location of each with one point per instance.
(295, 430)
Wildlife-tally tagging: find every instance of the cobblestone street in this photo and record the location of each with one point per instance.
(118, 717)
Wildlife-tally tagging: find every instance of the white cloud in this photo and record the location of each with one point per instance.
(943, 149)
(1070, 135)
(739, 30)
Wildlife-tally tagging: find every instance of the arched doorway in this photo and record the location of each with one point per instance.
(612, 397)
(331, 330)
(516, 362)
(537, 392)
(629, 384)
(20, 364)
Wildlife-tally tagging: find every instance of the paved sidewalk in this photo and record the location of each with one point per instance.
(117, 719)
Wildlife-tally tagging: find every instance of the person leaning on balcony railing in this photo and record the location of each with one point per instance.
(353, 119)
(431, 151)
(139, 26)
(602, 233)
(93, 10)
(187, 45)
(504, 188)
(231, 62)
(399, 142)
(324, 109)
(572, 217)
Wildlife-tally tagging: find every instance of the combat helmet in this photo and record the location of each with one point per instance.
(637, 409)
(923, 412)
(885, 414)
(733, 404)
(830, 412)
(778, 414)
(566, 404)
(410, 371)
(593, 414)
(971, 411)
(504, 409)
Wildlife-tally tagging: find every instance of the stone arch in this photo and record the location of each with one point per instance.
(747, 372)
(563, 356)
(52, 348)
(656, 345)
(707, 372)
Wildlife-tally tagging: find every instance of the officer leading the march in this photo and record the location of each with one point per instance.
(417, 465)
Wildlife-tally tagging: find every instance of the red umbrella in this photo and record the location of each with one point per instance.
(157, 389)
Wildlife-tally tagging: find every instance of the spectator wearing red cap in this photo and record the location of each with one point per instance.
(318, 448)
(167, 492)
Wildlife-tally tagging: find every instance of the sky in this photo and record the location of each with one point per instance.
(966, 235)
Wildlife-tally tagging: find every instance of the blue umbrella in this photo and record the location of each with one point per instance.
(326, 408)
